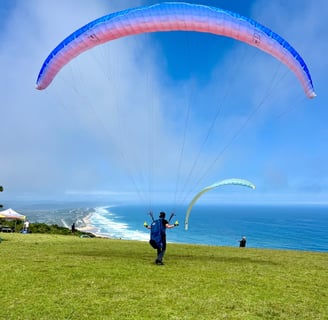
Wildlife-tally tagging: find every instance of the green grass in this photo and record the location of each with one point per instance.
(65, 277)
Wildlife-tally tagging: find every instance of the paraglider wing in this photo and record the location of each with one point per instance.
(239, 182)
(171, 16)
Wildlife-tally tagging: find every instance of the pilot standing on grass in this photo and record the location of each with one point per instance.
(161, 249)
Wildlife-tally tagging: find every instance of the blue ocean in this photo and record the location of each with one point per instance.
(289, 227)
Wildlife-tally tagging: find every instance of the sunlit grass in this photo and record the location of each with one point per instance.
(66, 277)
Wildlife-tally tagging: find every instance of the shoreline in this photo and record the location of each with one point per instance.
(87, 226)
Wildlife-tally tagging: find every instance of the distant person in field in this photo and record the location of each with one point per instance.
(242, 242)
(73, 228)
(26, 226)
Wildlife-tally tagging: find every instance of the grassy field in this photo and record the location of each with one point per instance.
(65, 277)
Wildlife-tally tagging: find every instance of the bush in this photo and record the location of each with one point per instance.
(41, 228)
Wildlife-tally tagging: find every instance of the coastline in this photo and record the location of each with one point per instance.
(117, 230)
(86, 226)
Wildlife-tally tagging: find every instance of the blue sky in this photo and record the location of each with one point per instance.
(156, 117)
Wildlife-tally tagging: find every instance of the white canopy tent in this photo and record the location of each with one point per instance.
(11, 214)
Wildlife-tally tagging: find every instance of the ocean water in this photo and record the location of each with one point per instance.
(295, 227)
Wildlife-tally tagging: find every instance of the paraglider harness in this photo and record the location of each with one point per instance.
(157, 232)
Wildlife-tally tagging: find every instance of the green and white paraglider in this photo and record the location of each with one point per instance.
(238, 182)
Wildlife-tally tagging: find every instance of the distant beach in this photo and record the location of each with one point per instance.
(85, 225)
